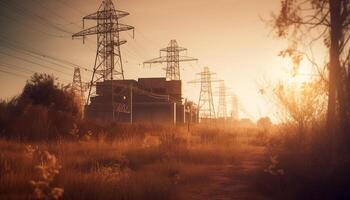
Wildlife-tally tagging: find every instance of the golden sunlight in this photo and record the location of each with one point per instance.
(175, 99)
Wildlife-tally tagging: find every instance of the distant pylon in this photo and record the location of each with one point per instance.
(77, 85)
(108, 62)
(235, 108)
(222, 108)
(173, 59)
(206, 108)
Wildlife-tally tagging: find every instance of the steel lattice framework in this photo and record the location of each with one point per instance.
(206, 108)
(77, 85)
(235, 107)
(222, 108)
(108, 61)
(173, 59)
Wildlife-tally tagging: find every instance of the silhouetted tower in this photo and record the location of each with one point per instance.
(206, 108)
(235, 107)
(222, 108)
(172, 58)
(108, 62)
(77, 85)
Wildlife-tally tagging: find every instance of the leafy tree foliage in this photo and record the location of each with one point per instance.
(42, 90)
(309, 21)
(44, 110)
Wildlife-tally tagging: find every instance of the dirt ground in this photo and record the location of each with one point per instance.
(229, 181)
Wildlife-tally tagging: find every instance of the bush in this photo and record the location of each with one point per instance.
(313, 169)
(44, 110)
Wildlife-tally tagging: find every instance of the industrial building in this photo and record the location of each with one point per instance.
(112, 97)
(151, 100)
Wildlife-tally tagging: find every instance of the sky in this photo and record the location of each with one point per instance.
(228, 36)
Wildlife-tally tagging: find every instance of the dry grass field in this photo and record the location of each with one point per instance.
(166, 163)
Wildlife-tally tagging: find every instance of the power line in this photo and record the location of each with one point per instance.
(26, 13)
(35, 63)
(135, 53)
(18, 46)
(36, 57)
(10, 66)
(53, 12)
(150, 41)
(28, 69)
(71, 7)
(19, 68)
(33, 28)
(137, 46)
(130, 53)
(12, 73)
(28, 72)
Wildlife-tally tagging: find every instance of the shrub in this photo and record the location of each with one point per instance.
(44, 110)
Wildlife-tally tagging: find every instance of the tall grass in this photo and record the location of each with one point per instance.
(129, 167)
(312, 168)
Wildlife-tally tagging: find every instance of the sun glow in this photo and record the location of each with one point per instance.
(299, 74)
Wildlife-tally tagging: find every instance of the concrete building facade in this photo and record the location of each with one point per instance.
(147, 100)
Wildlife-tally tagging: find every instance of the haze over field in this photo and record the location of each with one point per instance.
(133, 135)
(229, 36)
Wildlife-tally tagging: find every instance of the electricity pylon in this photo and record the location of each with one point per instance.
(77, 85)
(206, 108)
(235, 108)
(173, 59)
(108, 61)
(222, 108)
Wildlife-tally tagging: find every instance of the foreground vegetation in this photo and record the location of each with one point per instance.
(155, 165)
(47, 151)
(304, 165)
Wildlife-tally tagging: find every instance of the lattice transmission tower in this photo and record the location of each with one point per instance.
(173, 59)
(77, 84)
(222, 107)
(108, 61)
(206, 108)
(235, 107)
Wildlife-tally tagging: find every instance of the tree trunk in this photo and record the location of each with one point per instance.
(334, 64)
(337, 105)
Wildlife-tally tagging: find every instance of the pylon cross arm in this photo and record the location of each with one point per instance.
(104, 28)
(164, 59)
(187, 59)
(173, 49)
(115, 43)
(156, 60)
(107, 14)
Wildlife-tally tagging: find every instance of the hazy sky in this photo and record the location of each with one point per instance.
(226, 35)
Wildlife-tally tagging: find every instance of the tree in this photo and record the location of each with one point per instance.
(301, 20)
(44, 110)
(301, 105)
(264, 123)
(42, 90)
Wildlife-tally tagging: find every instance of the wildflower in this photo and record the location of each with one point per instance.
(273, 169)
(150, 141)
(56, 193)
(47, 170)
(30, 150)
(74, 131)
